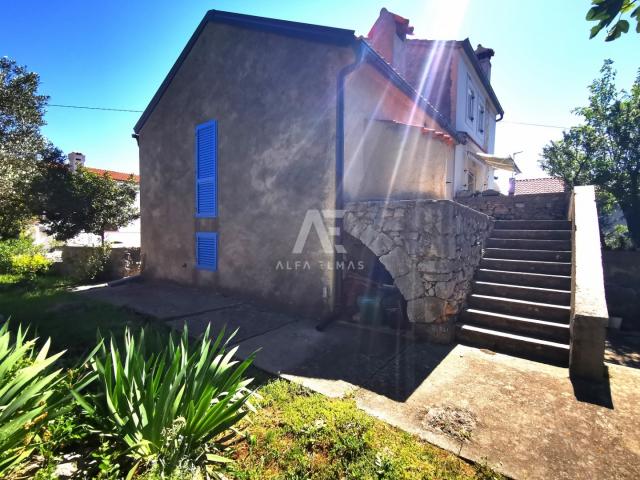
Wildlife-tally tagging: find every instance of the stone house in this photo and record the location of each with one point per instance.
(265, 130)
(338, 176)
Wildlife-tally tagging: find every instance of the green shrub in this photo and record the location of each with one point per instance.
(27, 383)
(94, 265)
(162, 400)
(29, 266)
(16, 247)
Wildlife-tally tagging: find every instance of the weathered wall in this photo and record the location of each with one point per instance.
(274, 99)
(431, 248)
(383, 159)
(542, 206)
(622, 286)
(123, 261)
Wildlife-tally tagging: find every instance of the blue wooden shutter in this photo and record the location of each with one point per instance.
(207, 250)
(207, 169)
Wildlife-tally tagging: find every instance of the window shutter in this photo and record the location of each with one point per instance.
(207, 169)
(207, 251)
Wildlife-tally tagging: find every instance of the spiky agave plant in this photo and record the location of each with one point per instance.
(163, 399)
(27, 383)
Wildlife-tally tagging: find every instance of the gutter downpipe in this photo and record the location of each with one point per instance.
(339, 183)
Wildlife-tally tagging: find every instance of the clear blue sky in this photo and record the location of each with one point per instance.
(116, 54)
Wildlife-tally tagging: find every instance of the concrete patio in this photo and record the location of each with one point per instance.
(525, 419)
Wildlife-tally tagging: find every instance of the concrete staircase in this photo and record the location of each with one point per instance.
(520, 302)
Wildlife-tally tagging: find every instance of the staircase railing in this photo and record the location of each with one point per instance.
(589, 315)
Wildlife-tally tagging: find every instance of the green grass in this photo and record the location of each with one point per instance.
(298, 434)
(51, 310)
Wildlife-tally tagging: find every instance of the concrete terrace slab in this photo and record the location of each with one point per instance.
(164, 301)
(530, 421)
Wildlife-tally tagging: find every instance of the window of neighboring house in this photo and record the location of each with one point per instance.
(471, 102)
(481, 119)
(471, 181)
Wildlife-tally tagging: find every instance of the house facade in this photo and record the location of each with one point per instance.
(264, 129)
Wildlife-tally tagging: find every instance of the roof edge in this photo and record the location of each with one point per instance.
(392, 75)
(318, 33)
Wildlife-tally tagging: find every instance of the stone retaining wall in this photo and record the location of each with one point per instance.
(541, 206)
(431, 248)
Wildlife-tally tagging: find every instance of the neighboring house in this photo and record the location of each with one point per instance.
(531, 186)
(127, 236)
(261, 121)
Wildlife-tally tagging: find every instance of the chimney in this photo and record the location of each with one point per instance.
(484, 58)
(388, 35)
(76, 159)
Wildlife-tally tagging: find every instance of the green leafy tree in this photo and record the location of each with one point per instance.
(74, 202)
(605, 150)
(21, 116)
(606, 12)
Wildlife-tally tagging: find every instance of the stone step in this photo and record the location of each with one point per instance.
(531, 266)
(532, 234)
(519, 254)
(521, 308)
(553, 352)
(522, 292)
(533, 224)
(528, 244)
(518, 325)
(542, 280)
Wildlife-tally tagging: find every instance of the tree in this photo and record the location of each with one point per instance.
(605, 150)
(606, 11)
(74, 202)
(21, 116)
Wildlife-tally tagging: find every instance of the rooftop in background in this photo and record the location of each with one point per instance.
(530, 186)
(120, 176)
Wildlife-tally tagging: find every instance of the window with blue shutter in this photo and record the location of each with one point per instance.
(207, 251)
(207, 170)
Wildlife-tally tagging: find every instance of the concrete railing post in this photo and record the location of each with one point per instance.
(589, 315)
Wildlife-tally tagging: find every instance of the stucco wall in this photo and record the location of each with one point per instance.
(542, 206)
(387, 160)
(274, 99)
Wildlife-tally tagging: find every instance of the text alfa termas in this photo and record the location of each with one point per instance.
(306, 265)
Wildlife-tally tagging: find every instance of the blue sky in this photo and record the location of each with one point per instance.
(116, 53)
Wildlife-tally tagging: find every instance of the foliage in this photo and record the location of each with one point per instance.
(21, 111)
(82, 201)
(606, 11)
(16, 246)
(27, 383)
(29, 266)
(94, 265)
(21, 116)
(162, 400)
(605, 150)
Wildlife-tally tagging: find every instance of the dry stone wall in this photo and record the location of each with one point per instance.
(542, 206)
(431, 248)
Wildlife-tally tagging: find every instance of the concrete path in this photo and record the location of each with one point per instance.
(525, 419)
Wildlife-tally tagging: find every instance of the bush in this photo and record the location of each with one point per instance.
(93, 267)
(161, 401)
(29, 266)
(27, 383)
(14, 247)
